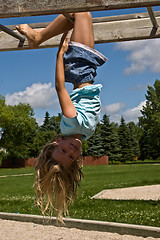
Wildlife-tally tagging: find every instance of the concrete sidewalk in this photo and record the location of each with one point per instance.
(151, 192)
(110, 227)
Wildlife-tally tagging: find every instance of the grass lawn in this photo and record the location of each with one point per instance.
(17, 194)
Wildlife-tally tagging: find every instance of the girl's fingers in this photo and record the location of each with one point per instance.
(63, 39)
(64, 42)
(65, 35)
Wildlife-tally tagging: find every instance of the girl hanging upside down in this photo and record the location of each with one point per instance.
(59, 164)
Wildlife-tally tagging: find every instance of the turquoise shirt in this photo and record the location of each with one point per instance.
(88, 105)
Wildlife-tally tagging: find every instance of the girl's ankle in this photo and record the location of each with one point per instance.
(38, 39)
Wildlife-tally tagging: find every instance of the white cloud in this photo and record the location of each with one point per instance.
(144, 55)
(115, 118)
(134, 113)
(139, 87)
(38, 95)
(129, 115)
(113, 108)
(39, 121)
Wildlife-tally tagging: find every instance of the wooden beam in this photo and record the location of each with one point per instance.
(107, 29)
(15, 8)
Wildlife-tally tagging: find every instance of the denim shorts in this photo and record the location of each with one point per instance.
(80, 63)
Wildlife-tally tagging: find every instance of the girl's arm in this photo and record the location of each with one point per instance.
(68, 109)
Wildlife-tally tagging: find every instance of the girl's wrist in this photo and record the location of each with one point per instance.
(60, 53)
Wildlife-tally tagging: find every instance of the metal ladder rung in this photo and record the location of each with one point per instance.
(152, 17)
(13, 34)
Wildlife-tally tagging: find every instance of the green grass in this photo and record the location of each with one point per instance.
(12, 171)
(17, 194)
(144, 161)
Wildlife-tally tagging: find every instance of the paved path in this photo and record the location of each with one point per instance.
(17, 175)
(12, 230)
(151, 192)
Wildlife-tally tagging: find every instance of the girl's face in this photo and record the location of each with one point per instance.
(67, 151)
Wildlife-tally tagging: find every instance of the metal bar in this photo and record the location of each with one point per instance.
(152, 17)
(12, 33)
(68, 18)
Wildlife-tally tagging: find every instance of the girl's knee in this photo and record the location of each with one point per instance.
(83, 15)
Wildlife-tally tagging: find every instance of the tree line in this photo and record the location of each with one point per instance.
(22, 138)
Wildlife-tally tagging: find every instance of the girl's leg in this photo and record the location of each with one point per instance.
(82, 33)
(36, 37)
(83, 29)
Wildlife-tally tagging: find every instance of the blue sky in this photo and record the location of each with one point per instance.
(28, 76)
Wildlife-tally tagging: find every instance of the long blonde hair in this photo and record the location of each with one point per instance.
(56, 186)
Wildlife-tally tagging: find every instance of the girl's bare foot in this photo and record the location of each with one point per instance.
(30, 34)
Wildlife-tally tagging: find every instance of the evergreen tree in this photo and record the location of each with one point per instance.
(115, 146)
(125, 142)
(110, 139)
(150, 123)
(95, 147)
(46, 119)
(106, 132)
(51, 124)
(84, 148)
(133, 130)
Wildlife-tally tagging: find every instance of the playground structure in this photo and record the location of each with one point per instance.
(106, 29)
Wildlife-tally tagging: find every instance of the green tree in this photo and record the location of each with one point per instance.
(46, 119)
(115, 145)
(84, 147)
(125, 142)
(18, 127)
(40, 140)
(45, 133)
(110, 139)
(51, 124)
(106, 132)
(95, 147)
(134, 137)
(150, 123)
